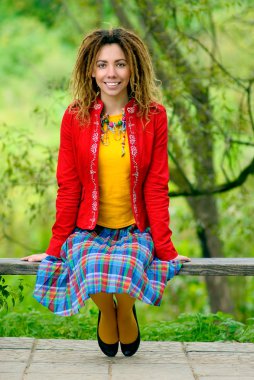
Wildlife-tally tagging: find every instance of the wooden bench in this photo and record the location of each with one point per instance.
(197, 267)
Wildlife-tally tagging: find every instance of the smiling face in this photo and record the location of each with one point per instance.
(112, 72)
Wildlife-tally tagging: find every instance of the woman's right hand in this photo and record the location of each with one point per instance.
(35, 257)
(183, 259)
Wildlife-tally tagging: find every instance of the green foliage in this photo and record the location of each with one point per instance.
(201, 328)
(46, 11)
(9, 295)
(187, 328)
(31, 166)
(34, 324)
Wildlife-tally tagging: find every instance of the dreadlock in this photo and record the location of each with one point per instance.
(142, 85)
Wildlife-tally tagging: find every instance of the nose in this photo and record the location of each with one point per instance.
(111, 72)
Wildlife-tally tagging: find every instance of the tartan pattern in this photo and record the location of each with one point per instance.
(102, 260)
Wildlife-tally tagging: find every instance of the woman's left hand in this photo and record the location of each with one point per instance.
(182, 258)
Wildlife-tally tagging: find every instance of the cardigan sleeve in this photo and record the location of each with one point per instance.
(69, 188)
(156, 191)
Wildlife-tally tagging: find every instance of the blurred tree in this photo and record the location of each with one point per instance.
(209, 101)
(183, 40)
(45, 10)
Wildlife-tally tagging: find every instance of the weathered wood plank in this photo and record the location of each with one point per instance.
(197, 267)
(16, 266)
(219, 267)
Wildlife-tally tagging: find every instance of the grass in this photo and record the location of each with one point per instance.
(188, 327)
(201, 328)
(22, 316)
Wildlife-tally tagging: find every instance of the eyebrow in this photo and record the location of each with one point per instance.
(117, 60)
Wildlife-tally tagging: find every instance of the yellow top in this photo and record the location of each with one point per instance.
(114, 182)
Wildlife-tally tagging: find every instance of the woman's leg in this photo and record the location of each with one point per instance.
(108, 332)
(127, 325)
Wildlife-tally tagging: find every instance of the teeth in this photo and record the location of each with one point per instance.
(111, 84)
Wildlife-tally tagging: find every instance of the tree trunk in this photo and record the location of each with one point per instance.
(200, 140)
(206, 215)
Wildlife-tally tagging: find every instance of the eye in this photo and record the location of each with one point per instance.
(121, 64)
(101, 65)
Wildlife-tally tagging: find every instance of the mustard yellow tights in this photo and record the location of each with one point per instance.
(116, 324)
(127, 325)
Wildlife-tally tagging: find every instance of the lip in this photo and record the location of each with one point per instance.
(112, 84)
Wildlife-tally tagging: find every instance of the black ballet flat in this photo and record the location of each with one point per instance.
(131, 348)
(107, 349)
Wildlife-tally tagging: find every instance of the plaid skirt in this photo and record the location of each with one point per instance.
(102, 260)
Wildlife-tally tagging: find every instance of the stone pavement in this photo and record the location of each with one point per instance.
(48, 359)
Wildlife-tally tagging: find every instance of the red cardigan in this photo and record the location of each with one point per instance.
(77, 176)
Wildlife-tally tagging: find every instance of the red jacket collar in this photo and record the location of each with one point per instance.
(129, 108)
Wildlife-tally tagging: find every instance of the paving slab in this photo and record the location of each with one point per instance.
(219, 346)
(10, 376)
(48, 359)
(229, 377)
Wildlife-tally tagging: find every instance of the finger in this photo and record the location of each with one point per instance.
(29, 258)
(184, 259)
(34, 258)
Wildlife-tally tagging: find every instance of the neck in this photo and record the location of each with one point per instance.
(114, 106)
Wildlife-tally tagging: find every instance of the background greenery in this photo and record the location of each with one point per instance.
(39, 41)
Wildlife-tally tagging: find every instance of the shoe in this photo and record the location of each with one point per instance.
(130, 348)
(107, 349)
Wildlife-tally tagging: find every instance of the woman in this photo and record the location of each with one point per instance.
(111, 239)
